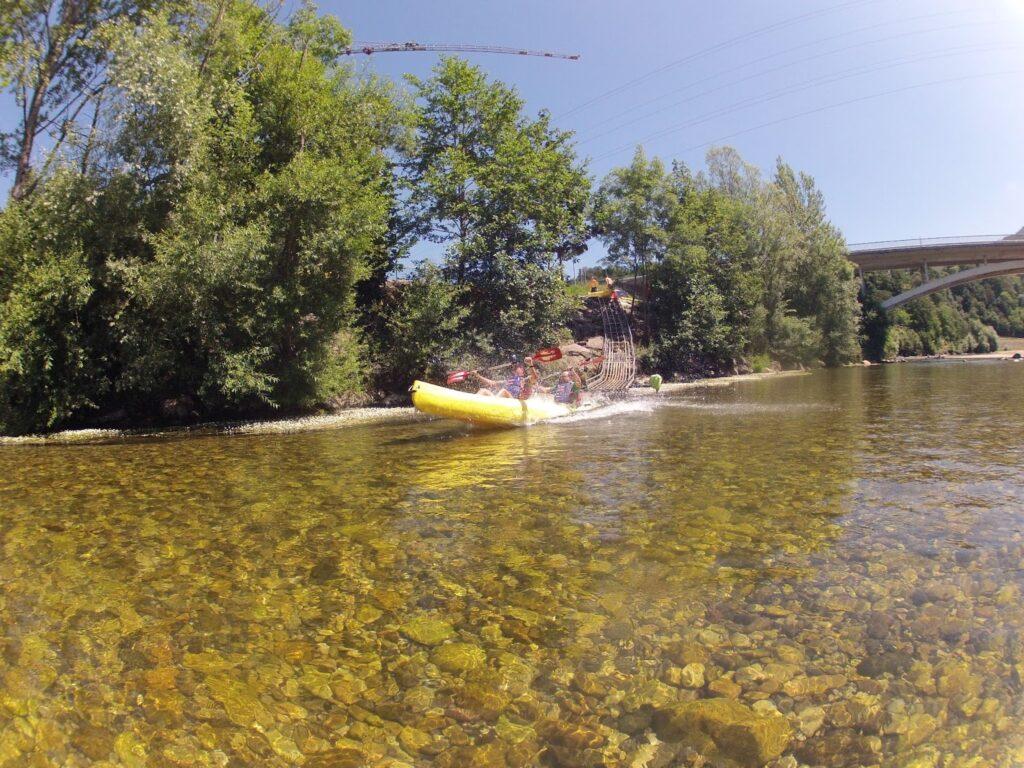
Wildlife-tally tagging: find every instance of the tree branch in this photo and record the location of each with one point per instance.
(75, 103)
(87, 151)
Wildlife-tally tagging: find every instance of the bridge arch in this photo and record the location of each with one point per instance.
(981, 272)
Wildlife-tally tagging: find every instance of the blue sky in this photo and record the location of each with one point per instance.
(940, 160)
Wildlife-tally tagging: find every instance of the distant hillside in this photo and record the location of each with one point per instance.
(964, 319)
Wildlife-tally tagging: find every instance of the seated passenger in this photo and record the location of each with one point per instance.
(569, 388)
(518, 385)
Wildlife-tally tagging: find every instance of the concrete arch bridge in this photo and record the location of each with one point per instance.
(986, 255)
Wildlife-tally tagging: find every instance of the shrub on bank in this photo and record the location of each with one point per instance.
(760, 363)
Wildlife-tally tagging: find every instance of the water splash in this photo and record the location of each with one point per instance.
(748, 408)
(646, 405)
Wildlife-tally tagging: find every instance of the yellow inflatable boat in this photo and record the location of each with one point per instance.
(484, 409)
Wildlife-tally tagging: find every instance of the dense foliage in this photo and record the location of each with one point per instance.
(218, 234)
(221, 217)
(504, 195)
(201, 251)
(52, 60)
(736, 265)
(968, 318)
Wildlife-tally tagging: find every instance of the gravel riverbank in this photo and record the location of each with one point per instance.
(348, 417)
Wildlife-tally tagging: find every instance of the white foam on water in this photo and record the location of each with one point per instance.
(611, 409)
(748, 408)
(650, 404)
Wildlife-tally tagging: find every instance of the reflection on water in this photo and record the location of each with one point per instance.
(814, 571)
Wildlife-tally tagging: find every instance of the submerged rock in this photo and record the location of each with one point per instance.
(489, 755)
(841, 747)
(94, 742)
(427, 631)
(889, 663)
(483, 701)
(413, 740)
(459, 657)
(810, 719)
(690, 676)
(649, 693)
(343, 757)
(734, 729)
(572, 744)
(813, 686)
(723, 686)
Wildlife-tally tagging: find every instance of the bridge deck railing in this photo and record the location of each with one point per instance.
(924, 242)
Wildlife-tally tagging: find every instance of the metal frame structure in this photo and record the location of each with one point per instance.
(618, 370)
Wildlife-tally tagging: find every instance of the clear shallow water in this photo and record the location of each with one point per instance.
(842, 552)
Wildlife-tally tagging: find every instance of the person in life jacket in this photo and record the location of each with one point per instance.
(569, 388)
(519, 385)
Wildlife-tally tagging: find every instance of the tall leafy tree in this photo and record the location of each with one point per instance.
(771, 235)
(503, 193)
(417, 327)
(49, 368)
(277, 198)
(822, 284)
(742, 264)
(52, 60)
(210, 246)
(631, 213)
(706, 289)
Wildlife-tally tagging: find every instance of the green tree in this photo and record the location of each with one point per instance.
(964, 319)
(52, 61)
(211, 243)
(821, 285)
(746, 266)
(278, 195)
(504, 194)
(704, 292)
(632, 211)
(771, 236)
(809, 294)
(418, 328)
(48, 366)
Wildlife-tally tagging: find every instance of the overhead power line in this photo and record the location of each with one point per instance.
(368, 49)
(815, 82)
(848, 102)
(590, 136)
(817, 41)
(715, 48)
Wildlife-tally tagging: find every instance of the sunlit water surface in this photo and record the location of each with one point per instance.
(844, 547)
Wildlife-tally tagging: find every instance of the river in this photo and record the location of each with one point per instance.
(837, 557)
